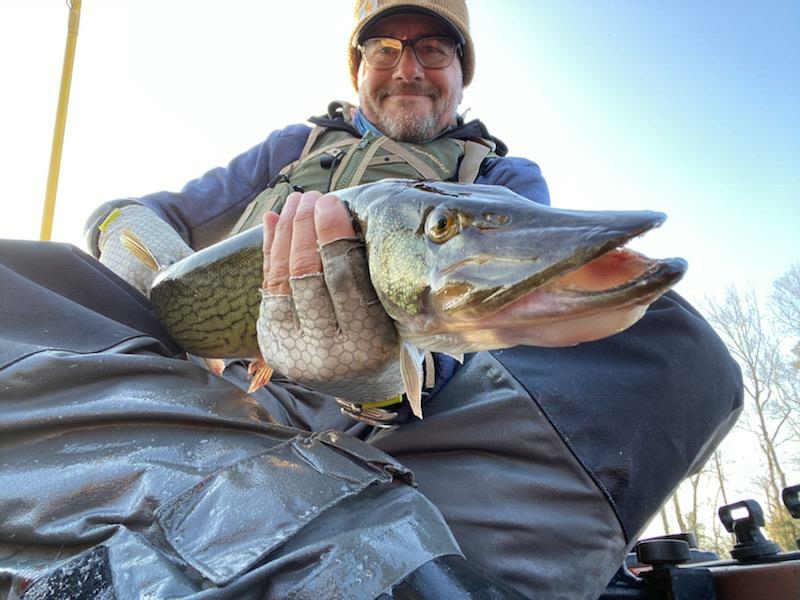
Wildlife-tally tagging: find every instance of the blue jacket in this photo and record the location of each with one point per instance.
(205, 210)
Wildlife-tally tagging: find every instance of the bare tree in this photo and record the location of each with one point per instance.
(785, 300)
(679, 516)
(692, 520)
(687, 519)
(719, 540)
(739, 320)
(664, 519)
(785, 303)
(771, 416)
(787, 388)
(771, 373)
(719, 473)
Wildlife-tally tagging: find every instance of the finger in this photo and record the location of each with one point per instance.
(304, 258)
(314, 310)
(270, 220)
(278, 276)
(332, 219)
(344, 262)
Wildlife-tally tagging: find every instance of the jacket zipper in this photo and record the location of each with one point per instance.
(354, 160)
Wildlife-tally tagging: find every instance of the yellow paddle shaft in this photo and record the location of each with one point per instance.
(61, 120)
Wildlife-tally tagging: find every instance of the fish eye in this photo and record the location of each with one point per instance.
(441, 225)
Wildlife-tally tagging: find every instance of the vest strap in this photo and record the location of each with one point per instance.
(423, 169)
(354, 159)
(312, 138)
(474, 153)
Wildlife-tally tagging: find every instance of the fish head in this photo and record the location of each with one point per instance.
(468, 268)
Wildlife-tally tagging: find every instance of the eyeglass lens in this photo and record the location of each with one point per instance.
(431, 52)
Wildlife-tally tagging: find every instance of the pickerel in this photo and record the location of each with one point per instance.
(459, 268)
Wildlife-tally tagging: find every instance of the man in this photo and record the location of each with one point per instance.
(545, 463)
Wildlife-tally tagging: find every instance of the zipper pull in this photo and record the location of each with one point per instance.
(366, 139)
(331, 159)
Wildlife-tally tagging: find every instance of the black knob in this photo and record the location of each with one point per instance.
(687, 536)
(663, 552)
(750, 542)
(791, 498)
(755, 515)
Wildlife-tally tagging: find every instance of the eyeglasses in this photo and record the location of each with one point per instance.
(435, 52)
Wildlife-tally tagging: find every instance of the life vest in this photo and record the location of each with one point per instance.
(336, 156)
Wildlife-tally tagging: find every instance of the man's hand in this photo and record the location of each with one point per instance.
(321, 323)
(163, 242)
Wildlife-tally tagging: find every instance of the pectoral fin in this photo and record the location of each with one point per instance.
(139, 249)
(411, 371)
(261, 373)
(215, 365)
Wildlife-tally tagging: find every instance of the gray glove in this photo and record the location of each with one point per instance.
(332, 333)
(163, 242)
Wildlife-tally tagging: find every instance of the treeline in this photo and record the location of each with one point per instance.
(764, 337)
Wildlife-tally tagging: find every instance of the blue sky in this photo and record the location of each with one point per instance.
(686, 107)
(692, 108)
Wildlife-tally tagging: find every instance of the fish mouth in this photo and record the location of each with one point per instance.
(620, 277)
(602, 297)
(557, 285)
(591, 271)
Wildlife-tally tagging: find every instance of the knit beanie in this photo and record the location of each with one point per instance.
(452, 12)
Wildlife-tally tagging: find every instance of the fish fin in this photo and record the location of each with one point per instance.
(215, 365)
(261, 373)
(411, 371)
(139, 249)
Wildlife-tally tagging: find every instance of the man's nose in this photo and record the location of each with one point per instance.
(408, 69)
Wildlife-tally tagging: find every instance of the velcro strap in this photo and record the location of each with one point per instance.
(112, 216)
(213, 529)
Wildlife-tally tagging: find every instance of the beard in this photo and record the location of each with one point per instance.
(408, 125)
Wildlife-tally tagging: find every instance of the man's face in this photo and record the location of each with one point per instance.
(408, 102)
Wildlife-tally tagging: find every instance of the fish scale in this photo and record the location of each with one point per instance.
(204, 321)
(494, 286)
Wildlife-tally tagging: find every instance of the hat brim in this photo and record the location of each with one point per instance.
(397, 10)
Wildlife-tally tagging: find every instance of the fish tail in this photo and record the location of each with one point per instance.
(139, 249)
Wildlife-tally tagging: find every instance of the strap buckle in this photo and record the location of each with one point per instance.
(368, 413)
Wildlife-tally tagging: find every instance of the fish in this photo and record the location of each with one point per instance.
(460, 268)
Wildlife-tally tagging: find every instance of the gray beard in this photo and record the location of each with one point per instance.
(406, 127)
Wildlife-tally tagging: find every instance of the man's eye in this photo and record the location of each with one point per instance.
(432, 50)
